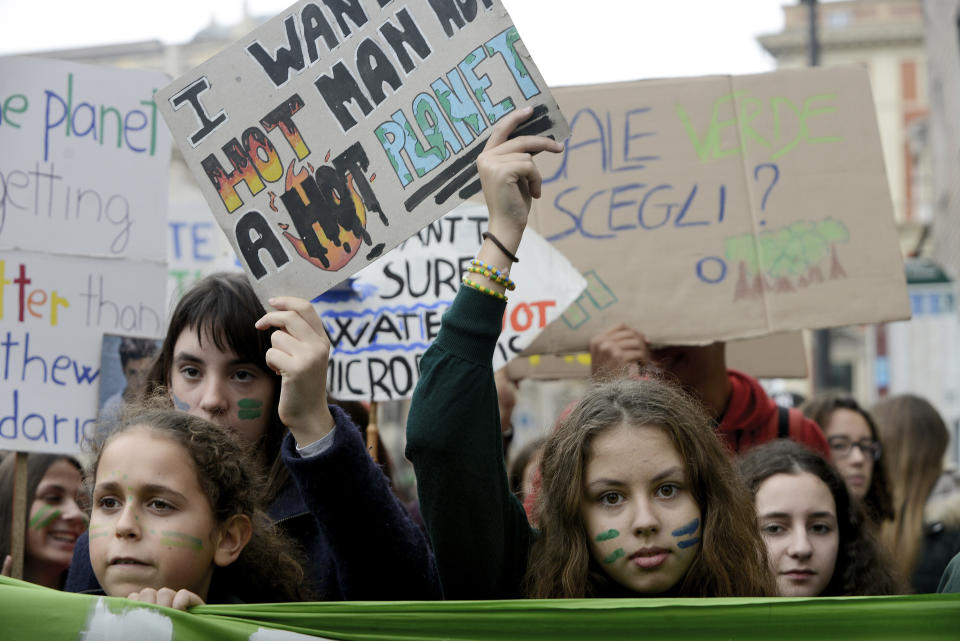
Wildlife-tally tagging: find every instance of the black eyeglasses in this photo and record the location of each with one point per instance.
(841, 446)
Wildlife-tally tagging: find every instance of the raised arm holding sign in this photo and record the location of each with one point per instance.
(626, 445)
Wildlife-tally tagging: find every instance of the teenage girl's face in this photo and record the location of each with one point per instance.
(798, 520)
(55, 521)
(856, 468)
(151, 525)
(642, 521)
(220, 387)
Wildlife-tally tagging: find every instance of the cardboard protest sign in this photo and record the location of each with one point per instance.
(331, 133)
(780, 355)
(83, 195)
(722, 207)
(382, 323)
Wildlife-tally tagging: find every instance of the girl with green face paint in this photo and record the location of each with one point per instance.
(260, 374)
(55, 520)
(176, 517)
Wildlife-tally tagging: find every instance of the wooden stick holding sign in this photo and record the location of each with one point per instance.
(18, 533)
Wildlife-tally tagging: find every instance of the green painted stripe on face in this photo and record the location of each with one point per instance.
(249, 415)
(249, 404)
(617, 554)
(97, 535)
(45, 517)
(606, 536)
(174, 543)
(44, 510)
(180, 539)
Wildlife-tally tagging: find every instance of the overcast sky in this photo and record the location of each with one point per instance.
(567, 38)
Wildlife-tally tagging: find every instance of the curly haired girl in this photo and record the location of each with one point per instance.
(176, 517)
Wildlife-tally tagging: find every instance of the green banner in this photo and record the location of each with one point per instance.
(31, 612)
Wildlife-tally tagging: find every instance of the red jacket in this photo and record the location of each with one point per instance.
(752, 418)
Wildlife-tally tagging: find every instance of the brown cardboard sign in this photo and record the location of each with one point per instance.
(722, 207)
(331, 133)
(780, 355)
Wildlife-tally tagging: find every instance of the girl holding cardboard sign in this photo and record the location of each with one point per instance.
(263, 377)
(638, 498)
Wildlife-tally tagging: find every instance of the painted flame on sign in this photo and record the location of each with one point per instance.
(337, 256)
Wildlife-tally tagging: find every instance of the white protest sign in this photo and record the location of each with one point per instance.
(50, 355)
(195, 247)
(382, 324)
(83, 196)
(336, 130)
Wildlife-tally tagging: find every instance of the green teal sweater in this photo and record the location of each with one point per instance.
(480, 534)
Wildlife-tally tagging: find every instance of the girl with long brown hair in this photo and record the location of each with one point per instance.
(924, 533)
(639, 496)
(54, 522)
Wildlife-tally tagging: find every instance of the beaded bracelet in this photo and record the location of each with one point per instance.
(491, 272)
(480, 288)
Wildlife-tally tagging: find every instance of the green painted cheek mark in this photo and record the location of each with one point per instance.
(617, 554)
(45, 517)
(44, 510)
(98, 535)
(180, 540)
(249, 409)
(606, 536)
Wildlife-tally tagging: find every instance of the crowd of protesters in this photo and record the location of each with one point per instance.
(232, 477)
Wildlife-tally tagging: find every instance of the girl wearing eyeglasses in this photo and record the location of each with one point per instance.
(925, 533)
(856, 452)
